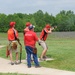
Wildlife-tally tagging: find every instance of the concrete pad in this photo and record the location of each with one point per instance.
(47, 59)
(6, 67)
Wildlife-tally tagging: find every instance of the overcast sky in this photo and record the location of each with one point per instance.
(31, 6)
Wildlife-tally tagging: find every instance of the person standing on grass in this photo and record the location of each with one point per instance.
(12, 34)
(43, 37)
(24, 32)
(30, 39)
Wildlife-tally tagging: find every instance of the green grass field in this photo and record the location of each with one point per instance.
(61, 47)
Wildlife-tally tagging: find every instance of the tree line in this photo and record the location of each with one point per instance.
(64, 20)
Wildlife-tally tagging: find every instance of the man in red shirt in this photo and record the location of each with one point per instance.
(26, 30)
(43, 37)
(30, 39)
(12, 35)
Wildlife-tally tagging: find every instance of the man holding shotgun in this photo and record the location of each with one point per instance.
(12, 39)
(43, 36)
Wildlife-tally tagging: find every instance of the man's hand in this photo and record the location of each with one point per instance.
(54, 27)
(18, 39)
(39, 41)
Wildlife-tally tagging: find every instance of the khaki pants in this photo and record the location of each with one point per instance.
(10, 46)
(43, 44)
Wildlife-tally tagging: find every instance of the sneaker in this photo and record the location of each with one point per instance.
(41, 59)
(44, 57)
(37, 66)
(29, 66)
(12, 63)
(17, 63)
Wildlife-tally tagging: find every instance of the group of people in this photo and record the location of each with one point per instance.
(30, 39)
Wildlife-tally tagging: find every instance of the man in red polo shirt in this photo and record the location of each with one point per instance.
(43, 37)
(12, 35)
(26, 30)
(30, 39)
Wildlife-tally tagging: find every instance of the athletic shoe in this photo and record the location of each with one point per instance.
(29, 66)
(44, 57)
(12, 63)
(41, 59)
(37, 66)
(16, 62)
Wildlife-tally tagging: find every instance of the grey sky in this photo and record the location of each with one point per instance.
(31, 6)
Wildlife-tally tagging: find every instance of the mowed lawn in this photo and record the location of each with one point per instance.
(61, 47)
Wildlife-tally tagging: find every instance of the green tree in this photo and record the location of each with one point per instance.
(3, 23)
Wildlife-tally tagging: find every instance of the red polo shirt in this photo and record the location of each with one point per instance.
(10, 34)
(30, 38)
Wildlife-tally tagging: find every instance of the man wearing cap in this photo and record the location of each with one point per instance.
(12, 34)
(30, 39)
(26, 30)
(43, 37)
